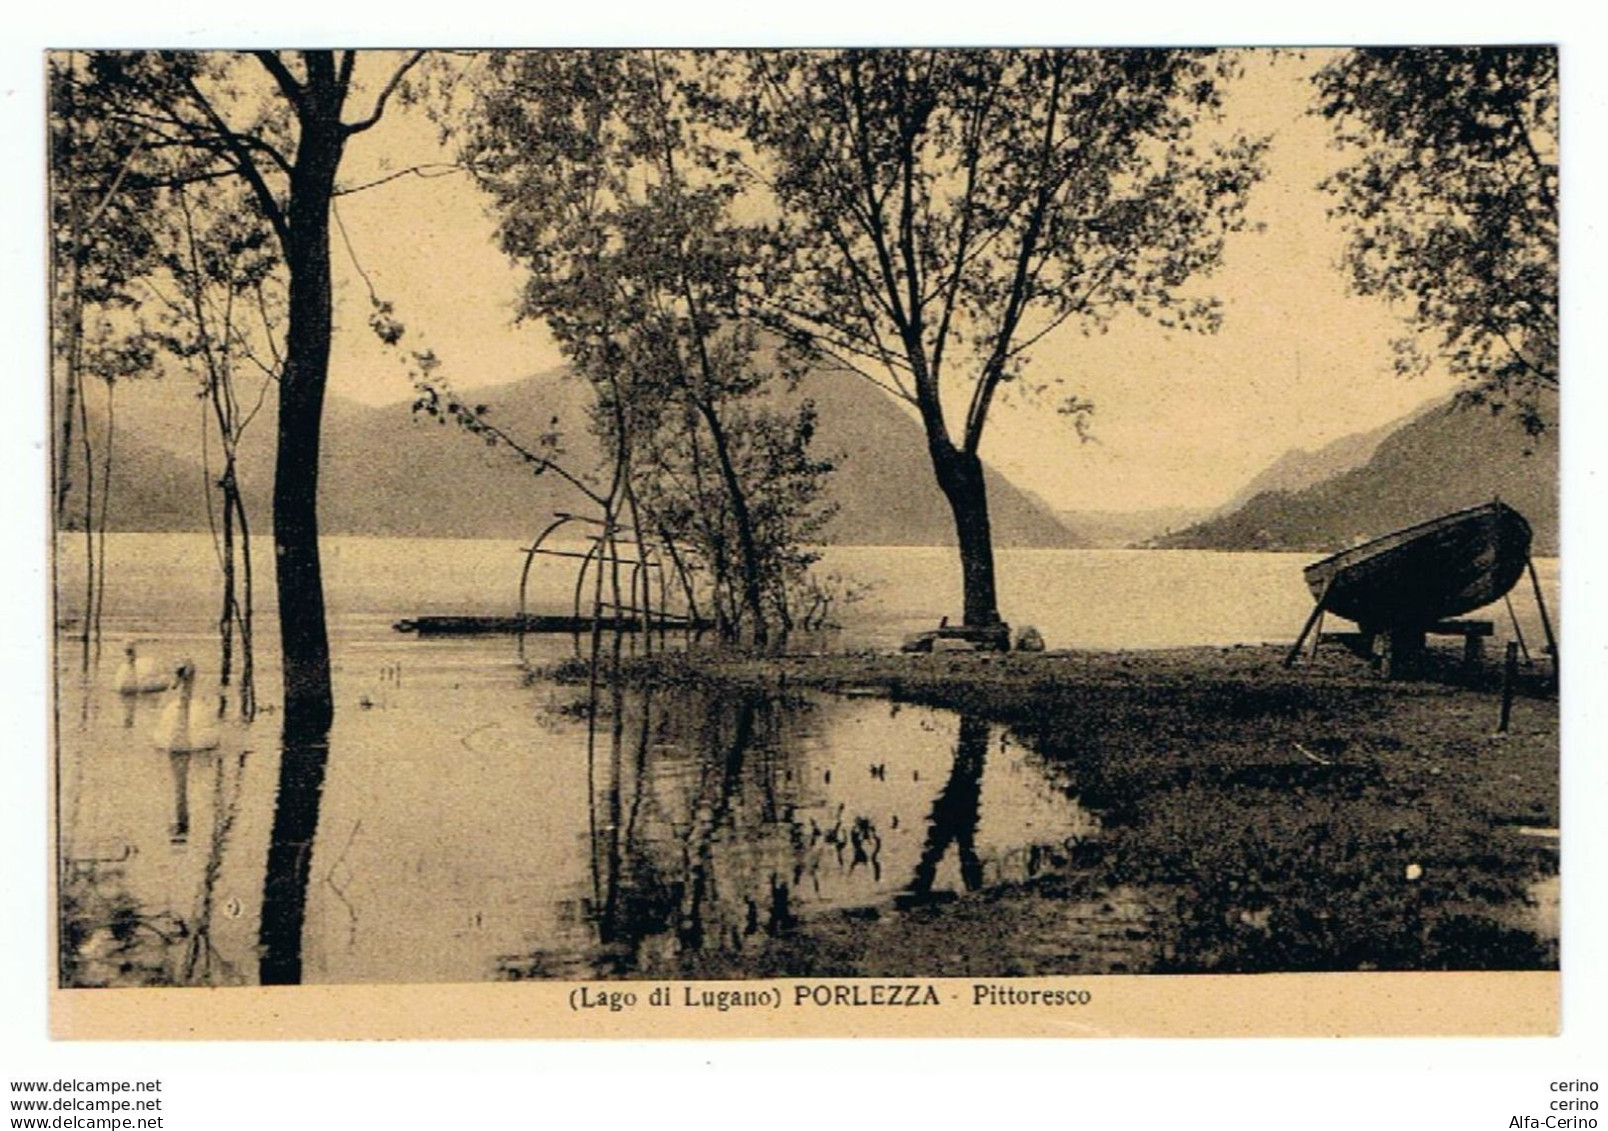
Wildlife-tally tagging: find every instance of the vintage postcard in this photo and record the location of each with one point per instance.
(837, 543)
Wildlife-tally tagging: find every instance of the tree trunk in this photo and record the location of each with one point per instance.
(89, 523)
(304, 640)
(64, 457)
(248, 663)
(752, 597)
(103, 512)
(309, 707)
(226, 615)
(960, 476)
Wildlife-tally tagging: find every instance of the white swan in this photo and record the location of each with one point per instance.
(186, 725)
(137, 674)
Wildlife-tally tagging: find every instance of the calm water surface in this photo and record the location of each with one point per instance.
(475, 824)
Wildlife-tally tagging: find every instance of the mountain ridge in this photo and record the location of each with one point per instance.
(387, 471)
(1294, 470)
(1444, 459)
(1300, 468)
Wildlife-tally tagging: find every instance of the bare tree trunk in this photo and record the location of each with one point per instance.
(227, 615)
(248, 673)
(960, 476)
(89, 527)
(752, 590)
(304, 638)
(641, 594)
(309, 701)
(103, 512)
(64, 458)
(75, 329)
(682, 575)
(719, 561)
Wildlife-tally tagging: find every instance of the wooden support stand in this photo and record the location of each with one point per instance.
(1473, 633)
(1402, 647)
(1394, 650)
(1541, 607)
(1510, 670)
(1317, 615)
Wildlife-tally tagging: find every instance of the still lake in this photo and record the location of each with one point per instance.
(477, 824)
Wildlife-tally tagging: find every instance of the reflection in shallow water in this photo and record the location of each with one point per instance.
(721, 821)
(464, 823)
(954, 812)
(118, 934)
(290, 858)
(452, 831)
(467, 824)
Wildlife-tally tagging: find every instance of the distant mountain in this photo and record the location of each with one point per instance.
(386, 471)
(884, 484)
(1299, 468)
(1441, 460)
(1120, 529)
(1293, 471)
(383, 470)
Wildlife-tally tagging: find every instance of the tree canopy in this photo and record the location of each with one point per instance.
(608, 191)
(1452, 207)
(942, 211)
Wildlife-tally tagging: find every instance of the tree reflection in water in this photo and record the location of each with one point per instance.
(290, 857)
(714, 821)
(954, 812)
(112, 938)
(679, 839)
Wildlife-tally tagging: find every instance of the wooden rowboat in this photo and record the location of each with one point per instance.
(1422, 574)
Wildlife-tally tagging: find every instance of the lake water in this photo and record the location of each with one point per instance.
(476, 824)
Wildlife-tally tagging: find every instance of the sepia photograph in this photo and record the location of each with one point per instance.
(804, 541)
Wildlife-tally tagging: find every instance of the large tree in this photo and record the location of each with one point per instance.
(277, 122)
(944, 211)
(608, 192)
(1451, 202)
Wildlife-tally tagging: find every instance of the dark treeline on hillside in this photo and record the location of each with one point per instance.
(1449, 459)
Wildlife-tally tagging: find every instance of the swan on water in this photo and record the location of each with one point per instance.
(138, 674)
(186, 725)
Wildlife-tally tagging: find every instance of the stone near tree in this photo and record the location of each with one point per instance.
(1029, 640)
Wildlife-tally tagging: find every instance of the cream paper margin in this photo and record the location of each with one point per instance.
(1261, 1005)
(1195, 1005)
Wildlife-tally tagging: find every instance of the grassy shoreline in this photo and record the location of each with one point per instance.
(1253, 817)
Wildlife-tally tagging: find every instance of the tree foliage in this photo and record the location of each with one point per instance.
(275, 124)
(610, 193)
(100, 245)
(218, 294)
(99, 249)
(1451, 202)
(941, 212)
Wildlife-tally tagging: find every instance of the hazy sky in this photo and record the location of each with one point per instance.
(1180, 419)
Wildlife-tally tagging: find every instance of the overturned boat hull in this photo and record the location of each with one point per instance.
(1422, 574)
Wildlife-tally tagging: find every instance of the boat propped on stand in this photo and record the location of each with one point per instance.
(1414, 581)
